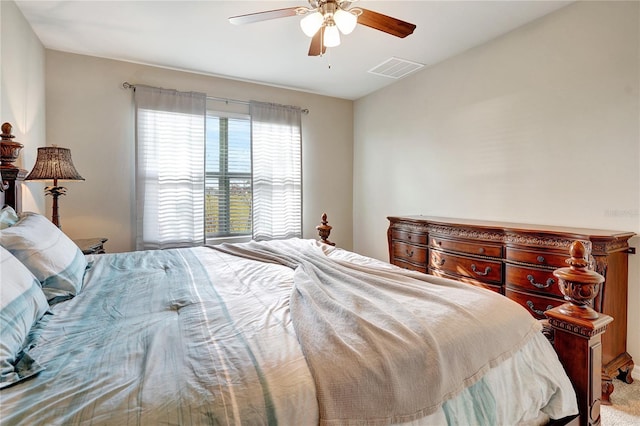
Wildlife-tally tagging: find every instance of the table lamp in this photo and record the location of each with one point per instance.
(54, 163)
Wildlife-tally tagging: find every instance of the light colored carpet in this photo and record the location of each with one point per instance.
(625, 408)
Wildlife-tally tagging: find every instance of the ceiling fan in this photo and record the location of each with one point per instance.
(326, 19)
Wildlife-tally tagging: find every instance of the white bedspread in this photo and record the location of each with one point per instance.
(406, 342)
(194, 336)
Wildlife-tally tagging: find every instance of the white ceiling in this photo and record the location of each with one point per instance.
(196, 36)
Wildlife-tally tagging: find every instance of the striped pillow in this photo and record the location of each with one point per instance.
(48, 253)
(22, 303)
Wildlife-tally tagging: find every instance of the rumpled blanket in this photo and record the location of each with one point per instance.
(390, 346)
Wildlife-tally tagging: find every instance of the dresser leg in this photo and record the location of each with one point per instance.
(619, 368)
(625, 372)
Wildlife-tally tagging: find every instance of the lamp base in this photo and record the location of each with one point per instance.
(55, 192)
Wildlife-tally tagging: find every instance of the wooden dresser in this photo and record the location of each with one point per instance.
(517, 260)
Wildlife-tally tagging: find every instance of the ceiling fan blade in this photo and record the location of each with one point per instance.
(385, 23)
(263, 16)
(317, 47)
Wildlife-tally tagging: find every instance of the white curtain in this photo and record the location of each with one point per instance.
(277, 171)
(170, 152)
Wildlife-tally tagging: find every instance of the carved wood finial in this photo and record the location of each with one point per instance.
(9, 150)
(324, 229)
(579, 254)
(578, 284)
(6, 131)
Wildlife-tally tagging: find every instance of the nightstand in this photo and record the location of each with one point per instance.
(91, 245)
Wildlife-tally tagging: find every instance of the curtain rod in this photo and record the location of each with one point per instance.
(128, 85)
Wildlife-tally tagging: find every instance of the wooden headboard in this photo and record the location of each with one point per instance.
(10, 175)
(11, 194)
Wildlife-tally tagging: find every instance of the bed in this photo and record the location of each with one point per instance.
(291, 332)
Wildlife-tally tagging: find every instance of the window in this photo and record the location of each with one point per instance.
(207, 173)
(228, 183)
(253, 173)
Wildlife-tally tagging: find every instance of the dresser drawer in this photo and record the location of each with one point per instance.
(409, 237)
(539, 258)
(480, 269)
(406, 265)
(479, 249)
(493, 287)
(410, 253)
(532, 279)
(536, 305)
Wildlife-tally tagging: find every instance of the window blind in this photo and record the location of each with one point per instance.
(277, 171)
(170, 134)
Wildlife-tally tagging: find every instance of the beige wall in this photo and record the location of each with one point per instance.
(538, 126)
(22, 93)
(89, 112)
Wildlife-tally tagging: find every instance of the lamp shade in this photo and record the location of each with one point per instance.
(310, 24)
(331, 36)
(345, 21)
(54, 163)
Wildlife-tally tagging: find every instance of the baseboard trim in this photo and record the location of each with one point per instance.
(635, 373)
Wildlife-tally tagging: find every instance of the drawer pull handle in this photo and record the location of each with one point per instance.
(540, 259)
(481, 250)
(438, 262)
(537, 311)
(409, 253)
(533, 282)
(474, 268)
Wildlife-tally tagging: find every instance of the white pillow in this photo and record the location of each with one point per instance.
(48, 253)
(8, 217)
(22, 303)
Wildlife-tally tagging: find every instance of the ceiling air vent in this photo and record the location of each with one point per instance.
(395, 68)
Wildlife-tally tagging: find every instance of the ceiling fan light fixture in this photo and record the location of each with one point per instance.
(331, 35)
(345, 21)
(311, 23)
(325, 20)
